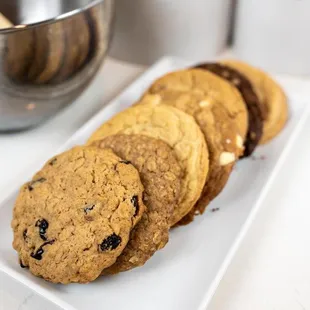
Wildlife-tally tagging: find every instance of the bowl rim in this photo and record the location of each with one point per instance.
(23, 27)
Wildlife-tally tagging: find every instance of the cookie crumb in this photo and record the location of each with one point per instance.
(215, 209)
(261, 157)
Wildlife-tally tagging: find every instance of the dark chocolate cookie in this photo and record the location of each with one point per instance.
(255, 119)
(272, 97)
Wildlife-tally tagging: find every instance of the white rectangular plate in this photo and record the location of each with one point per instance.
(185, 274)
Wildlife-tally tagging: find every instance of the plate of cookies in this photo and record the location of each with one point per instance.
(149, 200)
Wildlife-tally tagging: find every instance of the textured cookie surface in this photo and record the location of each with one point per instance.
(270, 95)
(161, 177)
(178, 130)
(224, 143)
(206, 84)
(74, 218)
(254, 107)
(198, 93)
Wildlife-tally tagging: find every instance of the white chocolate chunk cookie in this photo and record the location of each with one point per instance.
(205, 96)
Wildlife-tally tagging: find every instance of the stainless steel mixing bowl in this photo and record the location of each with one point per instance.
(50, 56)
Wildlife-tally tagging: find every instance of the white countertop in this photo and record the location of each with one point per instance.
(272, 267)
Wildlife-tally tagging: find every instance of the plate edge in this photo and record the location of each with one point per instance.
(164, 61)
(45, 295)
(251, 217)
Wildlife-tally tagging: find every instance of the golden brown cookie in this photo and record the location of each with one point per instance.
(224, 143)
(177, 129)
(184, 91)
(74, 218)
(271, 96)
(161, 177)
(254, 107)
(205, 84)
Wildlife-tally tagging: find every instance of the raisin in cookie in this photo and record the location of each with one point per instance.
(177, 129)
(271, 96)
(255, 109)
(74, 218)
(161, 177)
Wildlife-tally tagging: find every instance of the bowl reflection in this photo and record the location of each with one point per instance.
(45, 66)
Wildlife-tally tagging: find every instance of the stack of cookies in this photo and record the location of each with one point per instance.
(108, 206)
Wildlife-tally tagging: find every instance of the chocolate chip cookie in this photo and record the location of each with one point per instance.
(255, 110)
(161, 177)
(224, 143)
(270, 94)
(177, 129)
(74, 218)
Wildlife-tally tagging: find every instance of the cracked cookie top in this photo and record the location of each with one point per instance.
(210, 88)
(199, 94)
(74, 218)
(161, 177)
